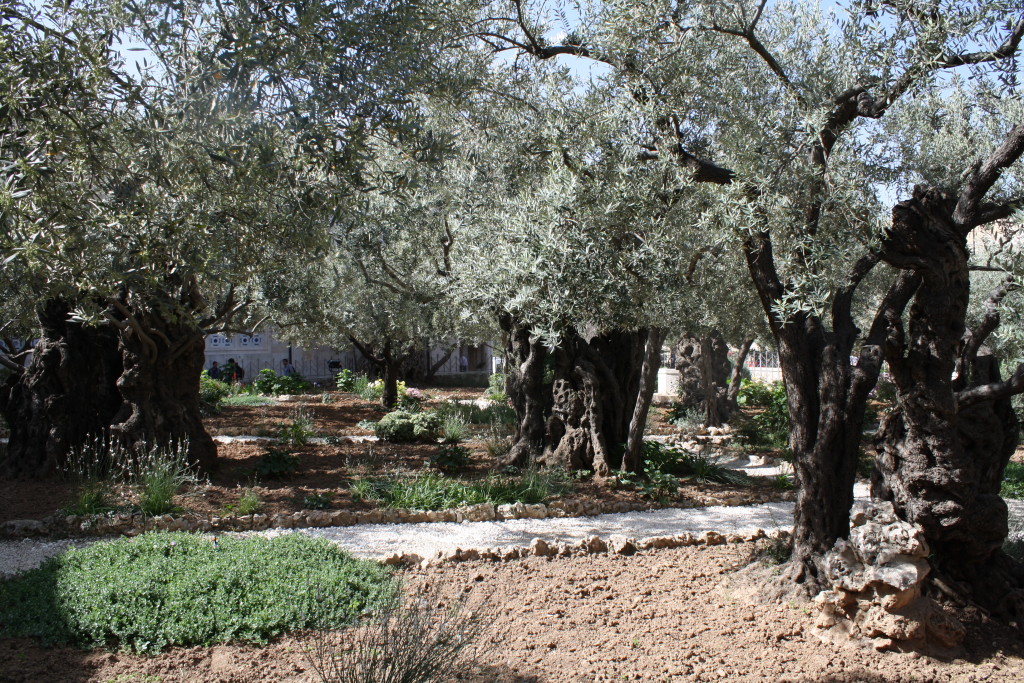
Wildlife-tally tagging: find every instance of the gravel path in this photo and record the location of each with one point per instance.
(383, 540)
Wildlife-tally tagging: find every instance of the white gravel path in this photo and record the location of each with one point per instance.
(383, 540)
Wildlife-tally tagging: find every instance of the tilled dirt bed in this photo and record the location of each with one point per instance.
(329, 469)
(682, 614)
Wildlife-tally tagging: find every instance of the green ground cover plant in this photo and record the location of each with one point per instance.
(431, 491)
(163, 589)
(1013, 481)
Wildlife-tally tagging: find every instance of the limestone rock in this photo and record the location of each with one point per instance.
(620, 545)
(876, 576)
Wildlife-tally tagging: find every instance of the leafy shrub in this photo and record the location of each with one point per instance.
(768, 428)
(317, 501)
(300, 431)
(757, 394)
(496, 388)
(1013, 481)
(163, 589)
(345, 381)
(660, 458)
(659, 486)
(276, 463)
(401, 426)
(272, 384)
(450, 457)
(687, 418)
(430, 491)
(211, 393)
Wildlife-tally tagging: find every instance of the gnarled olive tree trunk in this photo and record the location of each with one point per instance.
(594, 402)
(525, 366)
(826, 396)
(163, 360)
(703, 365)
(942, 451)
(596, 386)
(66, 396)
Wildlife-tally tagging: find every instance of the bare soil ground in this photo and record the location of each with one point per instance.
(667, 615)
(329, 469)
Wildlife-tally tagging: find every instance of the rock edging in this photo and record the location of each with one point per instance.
(592, 545)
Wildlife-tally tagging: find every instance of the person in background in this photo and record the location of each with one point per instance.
(232, 372)
(289, 369)
(463, 363)
(214, 372)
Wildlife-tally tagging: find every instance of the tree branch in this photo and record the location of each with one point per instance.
(984, 176)
(993, 391)
(1004, 51)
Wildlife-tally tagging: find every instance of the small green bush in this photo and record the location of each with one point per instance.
(1013, 481)
(662, 459)
(345, 381)
(300, 430)
(159, 472)
(317, 501)
(401, 426)
(91, 498)
(212, 393)
(276, 463)
(163, 589)
(768, 428)
(272, 384)
(450, 457)
(496, 388)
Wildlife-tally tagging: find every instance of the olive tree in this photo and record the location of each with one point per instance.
(780, 106)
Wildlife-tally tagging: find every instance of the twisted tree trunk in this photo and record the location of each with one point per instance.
(525, 361)
(66, 396)
(942, 451)
(160, 386)
(597, 383)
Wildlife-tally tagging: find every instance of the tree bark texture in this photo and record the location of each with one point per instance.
(736, 376)
(703, 365)
(939, 462)
(596, 385)
(66, 396)
(826, 396)
(163, 360)
(632, 460)
(525, 366)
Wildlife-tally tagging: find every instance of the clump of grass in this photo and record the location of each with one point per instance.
(453, 429)
(160, 472)
(300, 430)
(163, 589)
(91, 498)
(317, 501)
(431, 491)
(420, 638)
